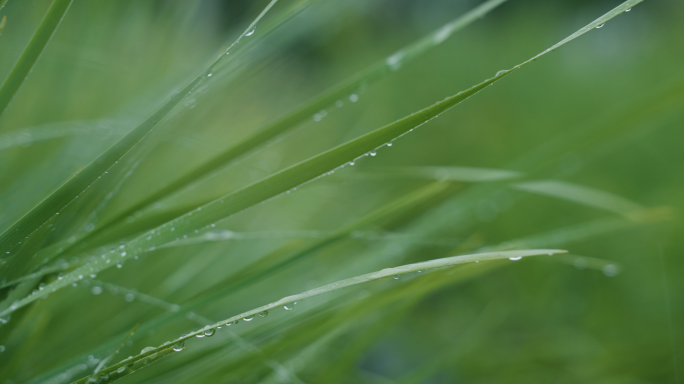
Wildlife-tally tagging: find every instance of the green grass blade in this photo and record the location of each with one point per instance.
(56, 201)
(131, 364)
(580, 194)
(266, 267)
(35, 47)
(555, 188)
(288, 122)
(293, 176)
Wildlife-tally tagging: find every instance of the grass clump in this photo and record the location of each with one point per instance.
(191, 162)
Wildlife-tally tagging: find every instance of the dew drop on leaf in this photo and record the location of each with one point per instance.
(146, 349)
(179, 346)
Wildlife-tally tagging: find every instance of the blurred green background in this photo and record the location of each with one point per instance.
(605, 111)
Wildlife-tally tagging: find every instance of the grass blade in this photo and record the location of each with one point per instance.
(56, 201)
(132, 364)
(293, 176)
(555, 188)
(288, 122)
(35, 47)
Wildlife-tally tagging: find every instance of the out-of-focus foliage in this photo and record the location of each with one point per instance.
(579, 150)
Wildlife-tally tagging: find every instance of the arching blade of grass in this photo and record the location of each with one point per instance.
(35, 47)
(104, 361)
(564, 236)
(56, 201)
(30, 135)
(132, 364)
(293, 176)
(580, 194)
(303, 113)
(277, 261)
(555, 188)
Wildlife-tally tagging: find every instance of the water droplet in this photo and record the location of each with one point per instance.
(179, 346)
(123, 254)
(93, 275)
(263, 314)
(353, 97)
(289, 307)
(396, 277)
(389, 144)
(339, 103)
(41, 286)
(121, 369)
(610, 270)
(248, 318)
(550, 253)
(210, 74)
(2, 348)
(515, 258)
(119, 265)
(501, 72)
(373, 153)
(96, 290)
(600, 25)
(60, 276)
(147, 349)
(129, 297)
(209, 332)
(394, 61)
(250, 33)
(627, 10)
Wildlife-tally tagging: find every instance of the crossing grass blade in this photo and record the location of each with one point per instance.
(135, 363)
(292, 177)
(10, 239)
(35, 47)
(364, 78)
(554, 188)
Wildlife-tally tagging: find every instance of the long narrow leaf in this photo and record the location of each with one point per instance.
(293, 176)
(35, 47)
(55, 202)
(131, 364)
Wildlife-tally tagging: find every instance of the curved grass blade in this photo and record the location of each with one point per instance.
(70, 190)
(578, 232)
(27, 136)
(104, 361)
(452, 173)
(277, 261)
(278, 127)
(581, 194)
(35, 47)
(132, 364)
(294, 176)
(555, 188)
